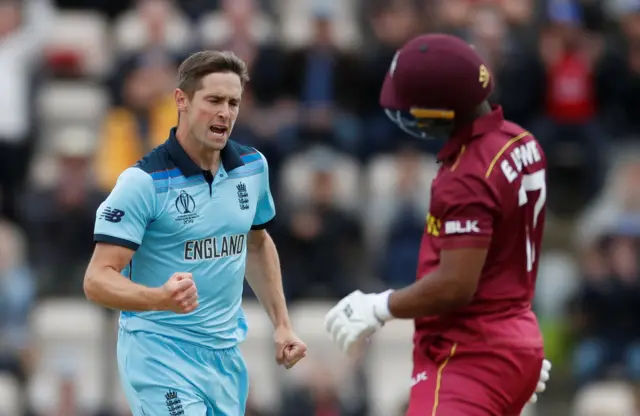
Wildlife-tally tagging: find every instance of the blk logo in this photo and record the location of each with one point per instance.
(461, 227)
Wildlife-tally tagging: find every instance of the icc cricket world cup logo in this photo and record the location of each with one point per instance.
(185, 203)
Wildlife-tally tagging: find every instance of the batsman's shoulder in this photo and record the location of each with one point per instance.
(501, 149)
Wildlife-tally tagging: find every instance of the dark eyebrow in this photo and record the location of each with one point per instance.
(221, 97)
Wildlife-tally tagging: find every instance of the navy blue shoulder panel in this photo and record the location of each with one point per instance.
(156, 160)
(241, 149)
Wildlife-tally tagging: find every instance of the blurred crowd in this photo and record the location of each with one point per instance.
(87, 89)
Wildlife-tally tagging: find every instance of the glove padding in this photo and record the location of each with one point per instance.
(542, 382)
(356, 318)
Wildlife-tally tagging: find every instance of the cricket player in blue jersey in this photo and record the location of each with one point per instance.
(174, 241)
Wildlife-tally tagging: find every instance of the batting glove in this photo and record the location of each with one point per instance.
(356, 318)
(542, 382)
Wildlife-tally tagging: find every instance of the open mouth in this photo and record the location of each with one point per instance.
(218, 131)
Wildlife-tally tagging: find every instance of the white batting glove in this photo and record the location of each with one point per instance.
(356, 318)
(542, 383)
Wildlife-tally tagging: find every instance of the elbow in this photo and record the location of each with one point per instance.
(462, 298)
(253, 247)
(459, 297)
(91, 285)
(257, 241)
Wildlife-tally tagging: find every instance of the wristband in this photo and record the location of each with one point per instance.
(381, 306)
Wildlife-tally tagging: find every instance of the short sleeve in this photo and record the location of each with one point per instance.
(266, 210)
(470, 210)
(123, 217)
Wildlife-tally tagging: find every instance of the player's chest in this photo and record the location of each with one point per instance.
(227, 206)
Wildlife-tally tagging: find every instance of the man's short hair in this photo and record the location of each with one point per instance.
(201, 64)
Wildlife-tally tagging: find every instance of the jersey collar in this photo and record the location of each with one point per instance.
(229, 155)
(480, 126)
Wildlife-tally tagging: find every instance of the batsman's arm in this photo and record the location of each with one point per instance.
(451, 286)
(264, 277)
(465, 235)
(104, 285)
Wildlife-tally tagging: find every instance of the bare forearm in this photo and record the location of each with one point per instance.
(264, 277)
(110, 289)
(428, 296)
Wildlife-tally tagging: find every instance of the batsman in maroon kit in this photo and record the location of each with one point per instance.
(478, 350)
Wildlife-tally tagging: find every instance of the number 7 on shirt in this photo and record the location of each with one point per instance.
(533, 182)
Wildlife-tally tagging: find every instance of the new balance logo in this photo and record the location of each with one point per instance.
(173, 403)
(112, 215)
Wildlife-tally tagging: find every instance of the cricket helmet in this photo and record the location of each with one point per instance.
(433, 79)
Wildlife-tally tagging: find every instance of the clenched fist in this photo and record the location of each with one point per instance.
(179, 294)
(289, 348)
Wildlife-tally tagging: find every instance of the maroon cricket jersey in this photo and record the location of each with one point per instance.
(490, 192)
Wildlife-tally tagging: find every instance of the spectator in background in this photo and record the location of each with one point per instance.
(141, 123)
(60, 220)
(321, 394)
(569, 56)
(619, 74)
(451, 16)
(154, 32)
(392, 24)
(569, 130)
(17, 294)
(242, 27)
(24, 26)
(608, 308)
(154, 24)
(514, 62)
(195, 8)
(398, 199)
(620, 199)
(324, 80)
(520, 16)
(321, 242)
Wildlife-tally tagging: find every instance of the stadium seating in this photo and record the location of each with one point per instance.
(60, 103)
(605, 399)
(389, 367)
(214, 29)
(297, 170)
(10, 400)
(295, 16)
(558, 279)
(259, 355)
(69, 335)
(381, 184)
(130, 33)
(83, 37)
(308, 320)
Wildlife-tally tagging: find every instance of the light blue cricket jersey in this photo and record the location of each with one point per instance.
(179, 218)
